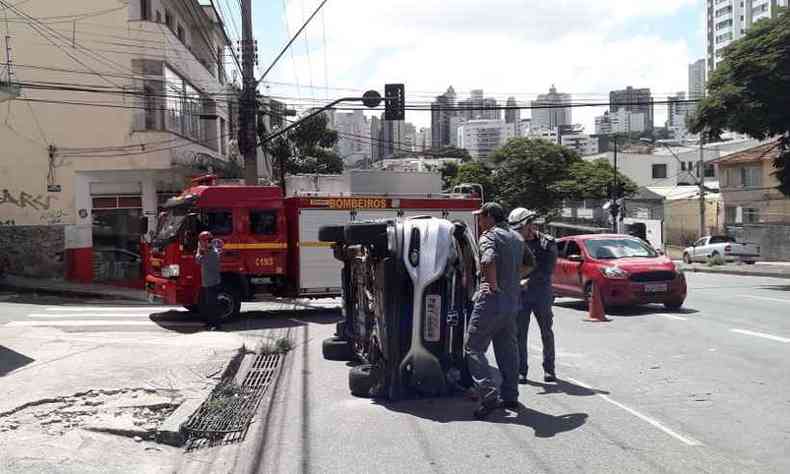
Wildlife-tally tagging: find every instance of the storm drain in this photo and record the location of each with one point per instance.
(225, 416)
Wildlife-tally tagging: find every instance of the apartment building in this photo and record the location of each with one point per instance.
(482, 137)
(119, 109)
(728, 20)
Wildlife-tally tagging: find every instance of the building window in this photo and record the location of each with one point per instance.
(180, 33)
(184, 107)
(710, 171)
(145, 10)
(659, 171)
(169, 19)
(730, 214)
(158, 16)
(751, 176)
(682, 166)
(751, 215)
(263, 222)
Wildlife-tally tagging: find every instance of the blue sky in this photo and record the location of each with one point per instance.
(507, 47)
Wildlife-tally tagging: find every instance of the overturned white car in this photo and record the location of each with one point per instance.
(407, 293)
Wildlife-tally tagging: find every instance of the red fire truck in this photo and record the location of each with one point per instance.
(271, 245)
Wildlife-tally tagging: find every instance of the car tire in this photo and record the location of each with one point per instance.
(673, 305)
(687, 258)
(229, 299)
(337, 349)
(750, 262)
(361, 380)
(331, 233)
(373, 234)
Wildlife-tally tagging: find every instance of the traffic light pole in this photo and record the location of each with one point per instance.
(701, 183)
(615, 207)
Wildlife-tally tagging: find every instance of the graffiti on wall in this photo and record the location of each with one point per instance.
(54, 216)
(23, 200)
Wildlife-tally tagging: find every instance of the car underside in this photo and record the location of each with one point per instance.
(407, 293)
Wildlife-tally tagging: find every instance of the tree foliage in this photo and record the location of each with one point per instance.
(307, 148)
(450, 152)
(593, 180)
(449, 172)
(530, 172)
(475, 172)
(748, 93)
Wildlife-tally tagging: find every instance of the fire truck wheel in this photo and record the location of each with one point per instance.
(338, 349)
(331, 233)
(229, 301)
(373, 234)
(361, 380)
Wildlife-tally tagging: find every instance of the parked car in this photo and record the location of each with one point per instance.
(627, 270)
(721, 246)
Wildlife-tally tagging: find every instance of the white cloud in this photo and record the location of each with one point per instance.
(506, 47)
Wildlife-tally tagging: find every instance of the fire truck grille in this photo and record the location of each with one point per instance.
(225, 416)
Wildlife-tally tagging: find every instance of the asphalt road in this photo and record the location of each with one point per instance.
(704, 389)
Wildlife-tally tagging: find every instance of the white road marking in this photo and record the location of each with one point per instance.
(82, 323)
(780, 300)
(761, 334)
(149, 309)
(672, 316)
(92, 315)
(684, 439)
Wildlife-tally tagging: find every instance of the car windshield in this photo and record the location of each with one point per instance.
(170, 223)
(611, 249)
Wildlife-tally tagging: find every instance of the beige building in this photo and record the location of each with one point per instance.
(681, 213)
(121, 102)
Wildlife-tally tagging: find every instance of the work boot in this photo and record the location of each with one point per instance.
(511, 405)
(522, 379)
(549, 377)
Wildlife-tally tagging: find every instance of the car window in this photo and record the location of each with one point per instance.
(700, 242)
(572, 249)
(561, 248)
(219, 222)
(721, 239)
(610, 249)
(263, 222)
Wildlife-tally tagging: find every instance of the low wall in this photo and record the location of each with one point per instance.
(36, 251)
(773, 239)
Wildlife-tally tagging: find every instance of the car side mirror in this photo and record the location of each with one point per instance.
(575, 258)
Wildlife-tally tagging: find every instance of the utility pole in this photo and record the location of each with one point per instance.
(615, 209)
(701, 183)
(249, 103)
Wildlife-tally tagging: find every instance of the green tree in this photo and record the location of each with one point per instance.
(593, 180)
(477, 173)
(449, 171)
(450, 152)
(530, 173)
(307, 149)
(748, 93)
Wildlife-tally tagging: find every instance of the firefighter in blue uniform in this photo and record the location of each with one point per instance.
(540, 256)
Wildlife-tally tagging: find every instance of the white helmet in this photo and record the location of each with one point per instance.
(519, 217)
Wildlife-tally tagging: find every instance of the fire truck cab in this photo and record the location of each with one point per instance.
(271, 245)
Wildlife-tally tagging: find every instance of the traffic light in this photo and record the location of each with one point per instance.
(394, 102)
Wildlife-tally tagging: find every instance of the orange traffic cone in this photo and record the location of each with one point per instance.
(597, 313)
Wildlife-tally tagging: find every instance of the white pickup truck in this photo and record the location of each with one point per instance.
(726, 248)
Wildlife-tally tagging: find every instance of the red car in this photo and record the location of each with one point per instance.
(627, 270)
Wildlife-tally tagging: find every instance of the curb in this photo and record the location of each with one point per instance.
(757, 273)
(78, 292)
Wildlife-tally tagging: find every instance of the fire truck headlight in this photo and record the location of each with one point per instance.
(171, 271)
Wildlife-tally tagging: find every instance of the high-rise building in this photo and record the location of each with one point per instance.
(441, 112)
(678, 110)
(622, 121)
(476, 107)
(375, 139)
(481, 137)
(353, 144)
(513, 115)
(697, 79)
(728, 20)
(638, 101)
(550, 112)
(423, 139)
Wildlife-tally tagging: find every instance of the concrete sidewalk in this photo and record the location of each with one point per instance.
(775, 270)
(67, 288)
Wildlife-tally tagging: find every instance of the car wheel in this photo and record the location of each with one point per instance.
(361, 380)
(331, 233)
(373, 234)
(335, 348)
(673, 305)
(687, 258)
(750, 262)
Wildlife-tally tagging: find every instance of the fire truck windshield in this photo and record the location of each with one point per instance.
(170, 223)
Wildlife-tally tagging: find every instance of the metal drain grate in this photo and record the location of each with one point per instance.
(225, 416)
